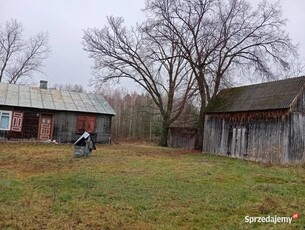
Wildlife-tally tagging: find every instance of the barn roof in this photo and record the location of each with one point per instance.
(265, 96)
(52, 99)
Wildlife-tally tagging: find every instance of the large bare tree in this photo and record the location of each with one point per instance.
(154, 64)
(221, 38)
(19, 58)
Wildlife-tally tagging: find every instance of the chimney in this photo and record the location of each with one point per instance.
(43, 84)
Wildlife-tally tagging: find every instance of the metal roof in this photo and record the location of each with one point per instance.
(52, 99)
(265, 96)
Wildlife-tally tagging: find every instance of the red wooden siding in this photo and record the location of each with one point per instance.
(86, 123)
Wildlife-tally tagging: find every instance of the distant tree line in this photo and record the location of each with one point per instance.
(137, 118)
(69, 87)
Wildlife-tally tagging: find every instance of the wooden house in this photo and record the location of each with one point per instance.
(44, 114)
(263, 122)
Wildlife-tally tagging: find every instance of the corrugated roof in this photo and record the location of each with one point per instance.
(265, 96)
(52, 99)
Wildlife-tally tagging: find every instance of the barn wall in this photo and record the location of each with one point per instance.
(276, 136)
(65, 128)
(103, 129)
(296, 148)
(296, 144)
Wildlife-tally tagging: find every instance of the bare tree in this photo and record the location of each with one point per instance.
(153, 64)
(220, 38)
(19, 58)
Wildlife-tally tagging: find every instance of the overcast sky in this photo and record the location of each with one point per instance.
(65, 20)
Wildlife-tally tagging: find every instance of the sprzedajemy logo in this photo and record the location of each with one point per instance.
(271, 219)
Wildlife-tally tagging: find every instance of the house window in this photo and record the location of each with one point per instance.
(85, 123)
(5, 120)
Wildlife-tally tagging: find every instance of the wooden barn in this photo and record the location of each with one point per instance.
(45, 114)
(263, 122)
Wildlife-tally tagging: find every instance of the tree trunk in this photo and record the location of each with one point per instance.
(202, 91)
(199, 139)
(164, 135)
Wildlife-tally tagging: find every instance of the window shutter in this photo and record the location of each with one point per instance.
(17, 120)
(86, 123)
(90, 124)
(81, 121)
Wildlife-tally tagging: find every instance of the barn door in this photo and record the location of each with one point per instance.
(45, 127)
(239, 141)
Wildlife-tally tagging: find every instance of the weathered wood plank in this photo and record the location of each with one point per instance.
(272, 136)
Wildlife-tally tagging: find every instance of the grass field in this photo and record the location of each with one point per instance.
(142, 187)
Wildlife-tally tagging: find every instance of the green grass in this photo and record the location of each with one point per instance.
(142, 187)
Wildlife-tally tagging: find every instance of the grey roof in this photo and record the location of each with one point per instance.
(265, 96)
(52, 99)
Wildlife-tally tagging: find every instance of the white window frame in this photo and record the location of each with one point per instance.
(9, 119)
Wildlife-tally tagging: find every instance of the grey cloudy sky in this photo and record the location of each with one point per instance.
(65, 20)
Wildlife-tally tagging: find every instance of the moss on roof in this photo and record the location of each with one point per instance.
(265, 96)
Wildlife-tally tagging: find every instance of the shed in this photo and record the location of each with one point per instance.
(84, 145)
(182, 137)
(42, 114)
(262, 122)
